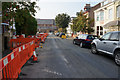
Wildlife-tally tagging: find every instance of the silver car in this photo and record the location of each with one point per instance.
(109, 44)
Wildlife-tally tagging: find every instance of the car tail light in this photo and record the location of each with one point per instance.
(87, 39)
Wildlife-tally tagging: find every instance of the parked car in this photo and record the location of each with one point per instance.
(109, 44)
(62, 34)
(84, 40)
(57, 34)
(50, 33)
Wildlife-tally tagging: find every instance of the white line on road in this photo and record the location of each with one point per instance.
(53, 72)
(65, 59)
(55, 44)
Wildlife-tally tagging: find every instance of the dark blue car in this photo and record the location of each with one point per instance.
(62, 34)
(84, 40)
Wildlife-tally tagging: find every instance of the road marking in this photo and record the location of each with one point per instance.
(53, 37)
(53, 72)
(55, 44)
(65, 59)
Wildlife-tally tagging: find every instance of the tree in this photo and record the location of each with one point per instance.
(62, 21)
(20, 13)
(28, 23)
(81, 23)
(74, 25)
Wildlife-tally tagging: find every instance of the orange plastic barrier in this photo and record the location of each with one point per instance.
(12, 63)
(46, 34)
(43, 36)
(14, 43)
(37, 40)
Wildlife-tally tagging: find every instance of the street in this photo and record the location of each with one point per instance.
(60, 58)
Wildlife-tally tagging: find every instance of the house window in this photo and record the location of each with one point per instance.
(101, 33)
(102, 15)
(97, 27)
(110, 15)
(118, 11)
(105, 2)
(101, 28)
(97, 18)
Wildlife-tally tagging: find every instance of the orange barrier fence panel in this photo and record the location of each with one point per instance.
(14, 43)
(43, 36)
(12, 63)
(37, 41)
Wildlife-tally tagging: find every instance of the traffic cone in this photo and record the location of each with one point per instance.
(34, 56)
(41, 45)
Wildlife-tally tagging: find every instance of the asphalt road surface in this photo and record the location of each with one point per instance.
(59, 58)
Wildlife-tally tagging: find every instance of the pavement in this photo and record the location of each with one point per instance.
(71, 38)
(60, 58)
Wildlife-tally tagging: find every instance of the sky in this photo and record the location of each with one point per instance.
(50, 8)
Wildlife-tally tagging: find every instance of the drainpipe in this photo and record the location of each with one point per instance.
(118, 25)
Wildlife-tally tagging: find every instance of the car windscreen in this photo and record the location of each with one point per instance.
(82, 36)
(92, 37)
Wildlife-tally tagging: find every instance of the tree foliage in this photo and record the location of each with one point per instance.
(28, 23)
(22, 13)
(62, 20)
(81, 23)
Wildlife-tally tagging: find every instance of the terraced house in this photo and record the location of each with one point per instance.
(107, 17)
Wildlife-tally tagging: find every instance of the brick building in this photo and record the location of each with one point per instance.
(46, 25)
(89, 11)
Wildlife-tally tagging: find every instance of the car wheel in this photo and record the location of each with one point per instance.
(94, 49)
(74, 42)
(81, 45)
(117, 57)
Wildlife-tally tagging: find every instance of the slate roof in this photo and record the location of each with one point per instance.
(46, 21)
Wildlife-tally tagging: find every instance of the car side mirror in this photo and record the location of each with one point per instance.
(101, 39)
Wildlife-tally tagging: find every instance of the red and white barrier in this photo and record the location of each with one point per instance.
(13, 62)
